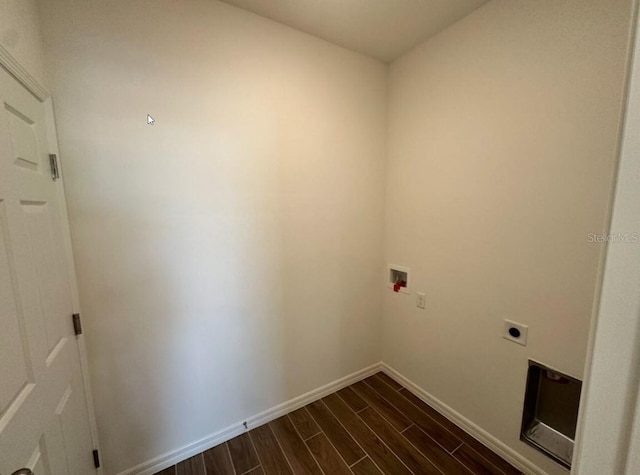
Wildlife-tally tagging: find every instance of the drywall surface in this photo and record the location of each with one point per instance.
(20, 35)
(228, 256)
(609, 424)
(502, 148)
(382, 29)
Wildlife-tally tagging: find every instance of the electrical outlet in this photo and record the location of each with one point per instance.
(421, 300)
(515, 332)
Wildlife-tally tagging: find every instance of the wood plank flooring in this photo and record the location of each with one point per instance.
(373, 427)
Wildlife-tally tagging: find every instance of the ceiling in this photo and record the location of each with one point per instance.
(383, 29)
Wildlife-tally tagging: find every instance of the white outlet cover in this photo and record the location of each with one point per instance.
(513, 327)
(421, 300)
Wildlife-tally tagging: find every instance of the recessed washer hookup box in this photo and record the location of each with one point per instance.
(550, 414)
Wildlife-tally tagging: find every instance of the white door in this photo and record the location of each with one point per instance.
(44, 420)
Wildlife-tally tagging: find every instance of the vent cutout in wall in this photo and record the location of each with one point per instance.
(550, 414)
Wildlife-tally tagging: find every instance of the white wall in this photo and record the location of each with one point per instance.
(228, 256)
(502, 148)
(20, 35)
(612, 394)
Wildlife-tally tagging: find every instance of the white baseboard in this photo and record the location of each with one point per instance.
(500, 448)
(174, 456)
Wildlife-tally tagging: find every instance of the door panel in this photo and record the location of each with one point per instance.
(44, 420)
(24, 139)
(15, 373)
(49, 275)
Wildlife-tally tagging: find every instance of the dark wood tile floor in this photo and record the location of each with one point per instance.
(373, 427)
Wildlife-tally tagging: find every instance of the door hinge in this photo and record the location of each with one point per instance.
(77, 324)
(53, 161)
(96, 459)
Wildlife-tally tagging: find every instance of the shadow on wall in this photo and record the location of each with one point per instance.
(219, 307)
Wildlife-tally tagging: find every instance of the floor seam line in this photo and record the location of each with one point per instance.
(323, 432)
(284, 454)
(433, 418)
(255, 450)
(358, 461)
(345, 429)
(304, 442)
(233, 468)
(425, 455)
(251, 470)
(387, 384)
(420, 427)
(407, 428)
(386, 419)
(387, 445)
(314, 435)
(454, 450)
(351, 435)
